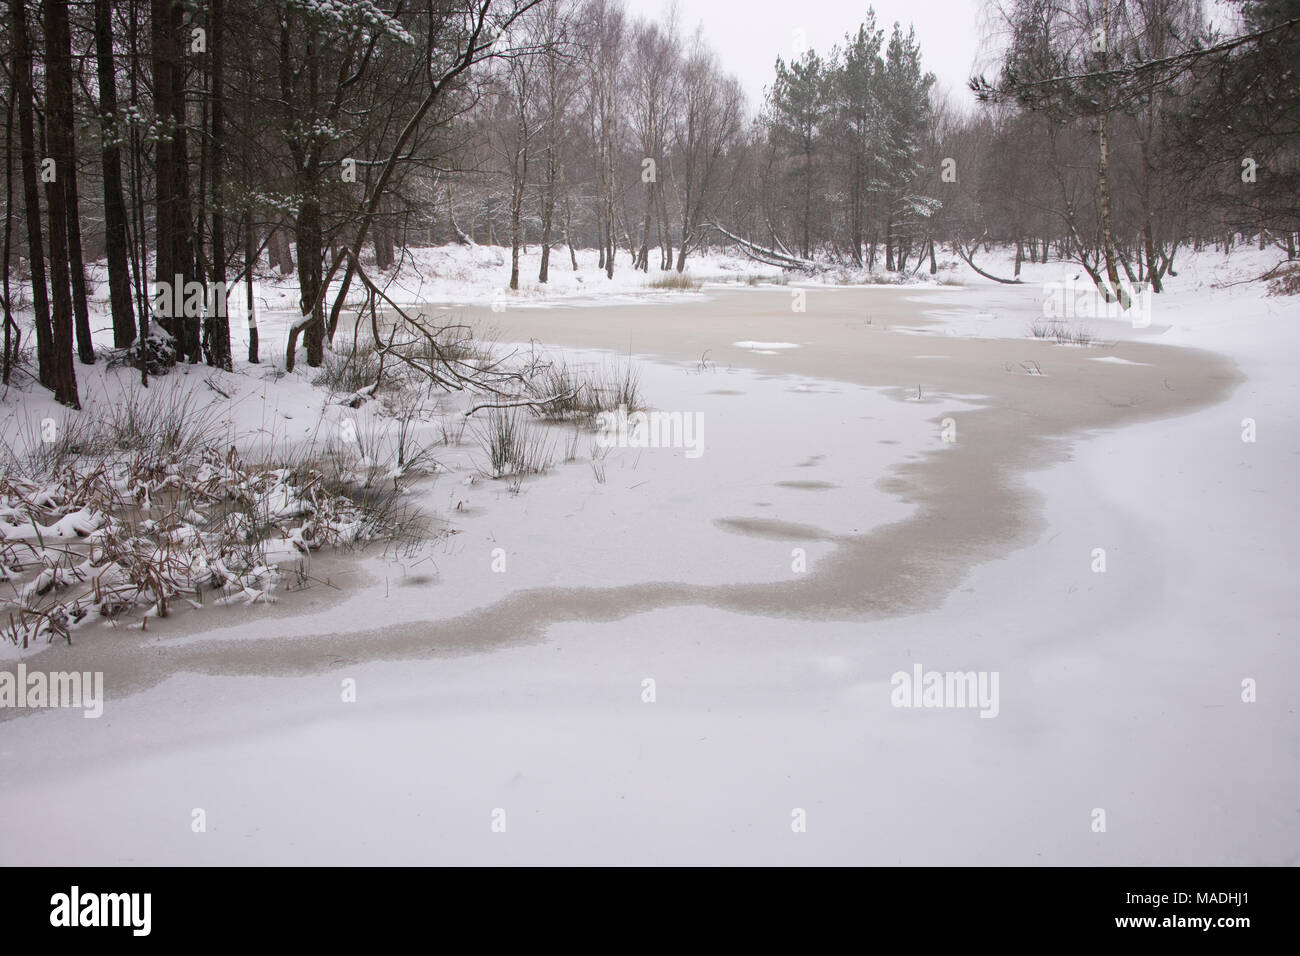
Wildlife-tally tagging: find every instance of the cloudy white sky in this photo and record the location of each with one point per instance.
(750, 34)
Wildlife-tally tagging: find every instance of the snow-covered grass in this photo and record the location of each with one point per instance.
(1062, 333)
(581, 394)
(675, 280)
(144, 502)
(514, 446)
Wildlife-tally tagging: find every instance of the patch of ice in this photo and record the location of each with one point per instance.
(1116, 360)
(767, 348)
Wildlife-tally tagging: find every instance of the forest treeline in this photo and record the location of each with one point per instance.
(187, 145)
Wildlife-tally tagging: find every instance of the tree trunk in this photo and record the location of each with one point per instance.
(519, 170)
(1103, 171)
(666, 226)
(807, 202)
(340, 300)
(568, 236)
(115, 247)
(58, 107)
(250, 260)
(548, 214)
(1103, 195)
(76, 264)
(174, 262)
(13, 336)
(217, 333)
(457, 233)
(610, 238)
(277, 250)
(139, 250)
(385, 252)
(644, 263)
(32, 193)
(855, 229)
(611, 244)
(382, 238)
(310, 257)
(1153, 266)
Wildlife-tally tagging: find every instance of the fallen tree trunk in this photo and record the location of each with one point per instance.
(967, 258)
(764, 255)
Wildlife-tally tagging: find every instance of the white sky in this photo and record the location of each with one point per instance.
(749, 35)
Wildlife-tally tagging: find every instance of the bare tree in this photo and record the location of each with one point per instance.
(653, 89)
(709, 125)
(557, 89)
(58, 59)
(31, 192)
(115, 241)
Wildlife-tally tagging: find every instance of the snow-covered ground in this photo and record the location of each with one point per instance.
(507, 690)
(452, 278)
